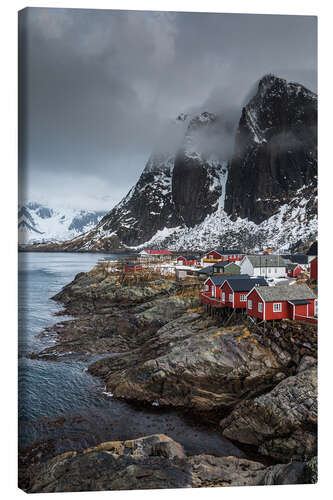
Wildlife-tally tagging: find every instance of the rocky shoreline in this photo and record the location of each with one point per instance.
(158, 347)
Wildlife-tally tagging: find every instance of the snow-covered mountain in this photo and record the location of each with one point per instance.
(262, 192)
(38, 223)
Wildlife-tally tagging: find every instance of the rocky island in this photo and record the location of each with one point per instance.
(157, 346)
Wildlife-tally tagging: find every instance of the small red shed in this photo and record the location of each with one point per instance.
(314, 269)
(190, 260)
(132, 268)
(281, 302)
(293, 270)
(221, 254)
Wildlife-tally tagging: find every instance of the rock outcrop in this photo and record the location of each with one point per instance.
(281, 423)
(191, 362)
(153, 462)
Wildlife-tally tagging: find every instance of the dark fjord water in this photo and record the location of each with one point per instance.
(60, 401)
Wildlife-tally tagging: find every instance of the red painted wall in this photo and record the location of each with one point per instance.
(210, 286)
(227, 290)
(285, 310)
(255, 297)
(295, 272)
(132, 269)
(238, 303)
(314, 269)
(215, 255)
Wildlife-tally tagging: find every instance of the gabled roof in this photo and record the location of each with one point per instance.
(224, 264)
(299, 302)
(291, 267)
(267, 260)
(297, 258)
(245, 285)
(206, 270)
(228, 251)
(219, 280)
(285, 292)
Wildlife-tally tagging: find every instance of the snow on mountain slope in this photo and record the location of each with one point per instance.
(38, 223)
(293, 223)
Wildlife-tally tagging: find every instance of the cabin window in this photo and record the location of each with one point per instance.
(249, 304)
(260, 307)
(223, 296)
(316, 307)
(206, 288)
(243, 298)
(277, 307)
(213, 291)
(230, 297)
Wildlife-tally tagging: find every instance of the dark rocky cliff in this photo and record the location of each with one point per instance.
(148, 207)
(199, 175)
(275, 149)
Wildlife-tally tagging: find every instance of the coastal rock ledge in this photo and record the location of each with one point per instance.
(152, 462)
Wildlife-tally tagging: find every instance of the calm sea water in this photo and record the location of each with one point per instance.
(60, 401)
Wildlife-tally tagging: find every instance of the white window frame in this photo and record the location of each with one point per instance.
(214, 291)
(277, 307)
(242, 297)
(206, 288)
(260, 307)
(230, 297)
(249, 304)
(223, 296)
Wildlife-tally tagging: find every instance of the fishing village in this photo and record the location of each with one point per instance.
(225, 339)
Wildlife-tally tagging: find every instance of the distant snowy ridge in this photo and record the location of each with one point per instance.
(38, 223)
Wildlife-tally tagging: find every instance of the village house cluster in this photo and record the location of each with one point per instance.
(264, 286)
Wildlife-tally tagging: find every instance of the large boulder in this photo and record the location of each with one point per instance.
(281, 423)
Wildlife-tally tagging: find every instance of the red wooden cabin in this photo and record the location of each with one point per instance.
(190, 260)
(293, 270)
(281, 302)
(234, 292)
(132, 268)
(219, 255)
(314, 269)
(212, 286)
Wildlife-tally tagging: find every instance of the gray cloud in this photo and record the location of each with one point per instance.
(101, 87)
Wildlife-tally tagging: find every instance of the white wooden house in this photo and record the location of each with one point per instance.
(269, 266)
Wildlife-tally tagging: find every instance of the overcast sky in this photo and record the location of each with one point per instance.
(98, 88)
